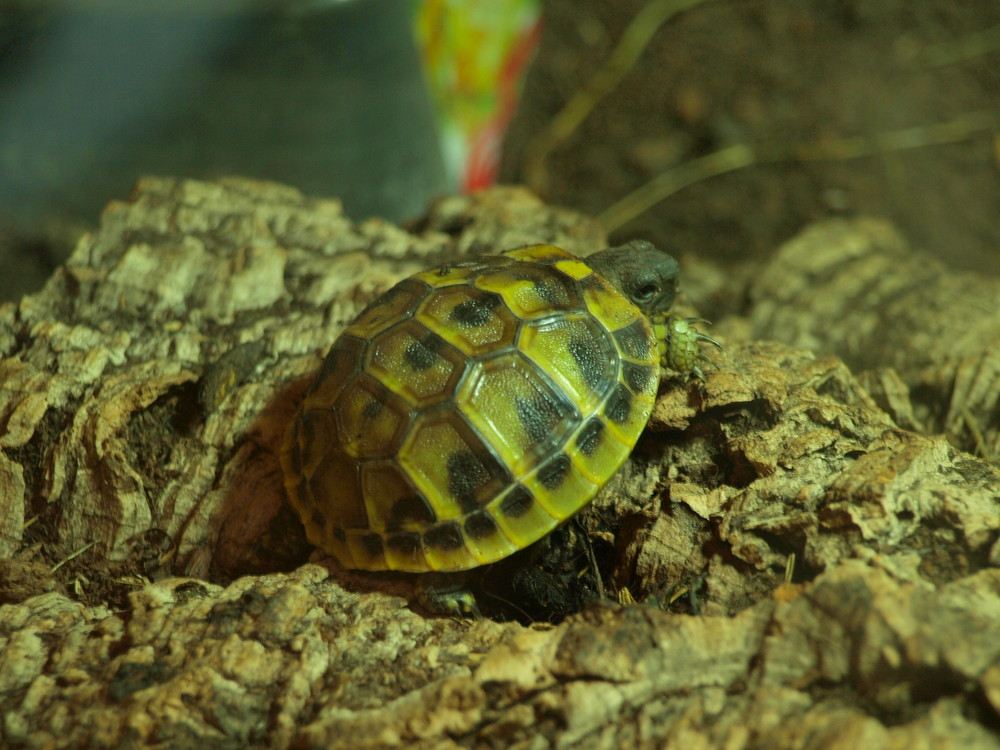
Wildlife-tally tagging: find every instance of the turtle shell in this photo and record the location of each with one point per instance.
(470, 410)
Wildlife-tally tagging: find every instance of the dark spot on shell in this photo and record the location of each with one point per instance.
(446, 536)
(371, 410)
(516, 503)
(413, 509)
(467, 473)
(421, 355)
(338, 534)
(547, 283)
(589, 359)
(480, 525)
(538, 415)
(372, 544)
(477, 311)
(406, 543)
(552, 292)
(634, 340)
(590, 436)
(637, 377)
(619, 405)
(318, 518)
(554, 472)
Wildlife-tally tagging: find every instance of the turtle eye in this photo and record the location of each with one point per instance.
(645, 293)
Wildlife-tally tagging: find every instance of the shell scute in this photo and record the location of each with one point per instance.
(577, 352)
(414, 363)
(473, 321)
(396, 304)
(520, 415)
(451, 464)
(370, 421)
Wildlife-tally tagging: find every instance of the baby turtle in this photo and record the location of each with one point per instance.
(475, 406)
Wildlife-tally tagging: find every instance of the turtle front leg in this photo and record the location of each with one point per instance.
(447, 594)
(679, 343)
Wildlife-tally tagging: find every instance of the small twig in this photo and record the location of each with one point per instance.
(977, 44)
(741, 155)
(972, 424)
(592, 562)
(74, 555)
(645, 197)
(631, 45)
(677, 594)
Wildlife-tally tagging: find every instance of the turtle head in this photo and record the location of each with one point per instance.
(647, 276)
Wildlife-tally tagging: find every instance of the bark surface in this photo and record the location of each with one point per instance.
(809, 573)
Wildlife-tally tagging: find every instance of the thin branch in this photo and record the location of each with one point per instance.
(74, 555)
(741, 155)
(977, 44)
(631, 45)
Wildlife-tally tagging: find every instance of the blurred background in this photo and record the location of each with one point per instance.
(717, 128)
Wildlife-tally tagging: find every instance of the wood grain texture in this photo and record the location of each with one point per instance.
(813, 575)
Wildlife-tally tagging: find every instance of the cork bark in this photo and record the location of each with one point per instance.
(925, 337)
(787, 565)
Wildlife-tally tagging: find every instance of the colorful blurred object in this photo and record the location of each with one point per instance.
(474, 56)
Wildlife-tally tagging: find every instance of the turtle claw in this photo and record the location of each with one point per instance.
(699, 336)
(449, 600)
(701, 356)
(702, 337)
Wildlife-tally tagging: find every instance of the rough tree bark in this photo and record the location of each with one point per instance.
(927, 338)
(813, 574)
